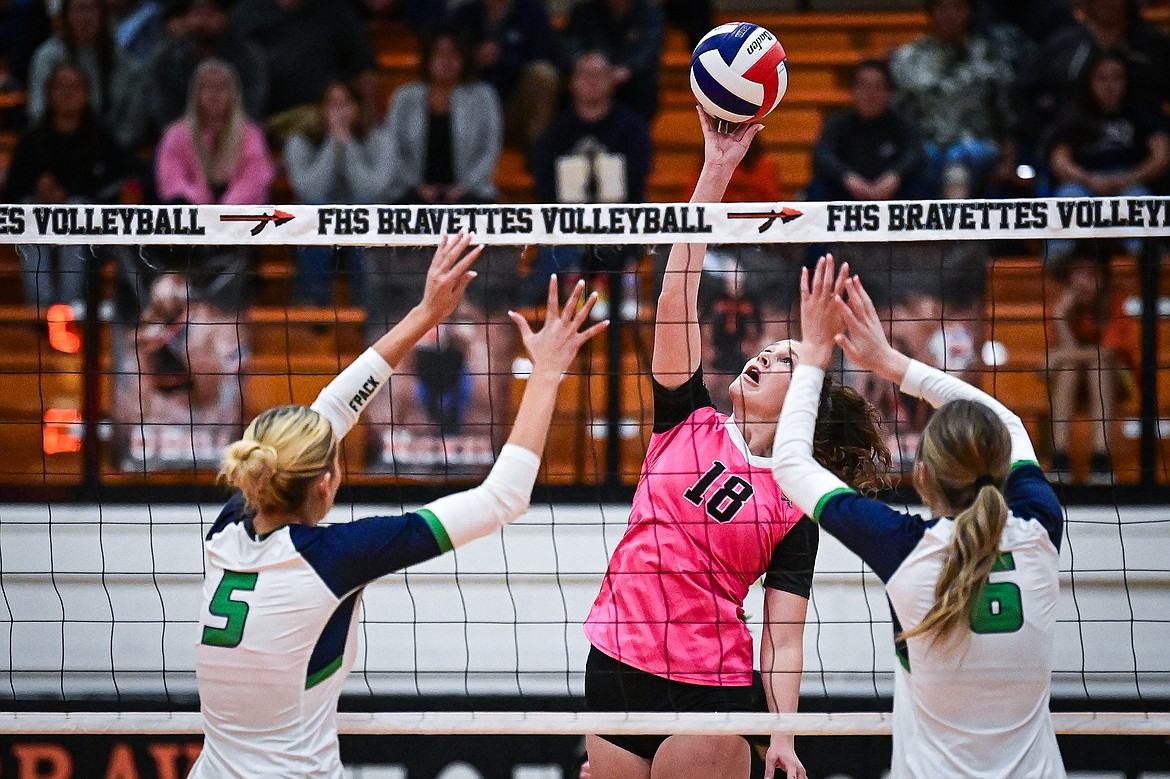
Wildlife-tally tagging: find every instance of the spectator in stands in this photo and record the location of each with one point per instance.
(115, 92)
(337, 160)
(1093, 355)
(1108, 143)
(24, 25)
(956, 87)
(207, 36)
(1115, 25)
(445, 132)
(443, 135)
(630, 34)
(66, 157)
(308, 44)
(215, 154)
(869, 151)
(513, 44)
(597, 151)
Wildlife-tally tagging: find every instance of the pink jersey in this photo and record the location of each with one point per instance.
(706, 518)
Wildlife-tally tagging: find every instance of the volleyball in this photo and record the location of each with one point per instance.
(739, 72)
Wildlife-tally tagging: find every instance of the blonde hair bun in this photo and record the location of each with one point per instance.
(282, 451)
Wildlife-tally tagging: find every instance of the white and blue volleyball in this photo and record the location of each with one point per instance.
(739, 72)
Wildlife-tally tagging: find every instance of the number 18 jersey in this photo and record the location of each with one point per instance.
(707, 521)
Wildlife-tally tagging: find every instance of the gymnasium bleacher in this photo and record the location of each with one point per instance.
(310, 344)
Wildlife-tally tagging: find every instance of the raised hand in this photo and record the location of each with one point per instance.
(724, 150)
(866, 343)
(555, 345)
(449, 275)
(820, 319)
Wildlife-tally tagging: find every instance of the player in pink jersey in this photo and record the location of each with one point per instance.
(668, 630)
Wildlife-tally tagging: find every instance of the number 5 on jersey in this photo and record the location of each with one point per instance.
(234, 611)
(726, 501)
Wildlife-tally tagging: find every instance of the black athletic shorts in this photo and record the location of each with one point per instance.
(611, 685)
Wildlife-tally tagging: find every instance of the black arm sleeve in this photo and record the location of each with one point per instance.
(673, 406)
(793, 559)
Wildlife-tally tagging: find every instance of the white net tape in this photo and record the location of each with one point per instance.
(484, 723)
(796, 222)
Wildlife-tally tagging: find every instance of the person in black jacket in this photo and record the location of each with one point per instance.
(869, 151)
(597, 151)
(67, 157)
(630, 33)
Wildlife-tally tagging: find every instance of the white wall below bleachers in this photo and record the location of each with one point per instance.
(102, 601)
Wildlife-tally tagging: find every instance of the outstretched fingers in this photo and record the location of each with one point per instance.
(574, 300)
(842, 279)
(468, 259)
(521, 325)
(552, 305)
(583, 336)
(746, 132)
(582, 313)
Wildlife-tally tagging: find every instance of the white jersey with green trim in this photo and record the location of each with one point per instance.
(278, 632)
(976, 708)
(278, 625)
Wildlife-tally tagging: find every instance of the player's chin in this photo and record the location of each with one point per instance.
(736, 390)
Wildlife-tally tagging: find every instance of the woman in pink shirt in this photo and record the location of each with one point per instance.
(668, 629)
(214, 154)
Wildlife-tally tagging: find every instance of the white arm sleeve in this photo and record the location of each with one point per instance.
(938, 388)
(342, 401)
(803, 480)
(502, 498)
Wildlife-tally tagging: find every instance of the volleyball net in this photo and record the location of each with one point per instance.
(161, 330)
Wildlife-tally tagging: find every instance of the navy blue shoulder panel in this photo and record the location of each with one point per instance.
(330, 648)
(1030, 496)
(235, 510)
(353, 554)
(880, 536)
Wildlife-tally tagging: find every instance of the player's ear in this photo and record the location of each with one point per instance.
(921, 483)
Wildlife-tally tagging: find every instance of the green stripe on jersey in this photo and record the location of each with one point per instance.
(440, 532)
(825, 499)
(323, 674)
(1019, 463)
(903, 655)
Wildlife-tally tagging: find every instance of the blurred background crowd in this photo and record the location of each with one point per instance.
(259, 101)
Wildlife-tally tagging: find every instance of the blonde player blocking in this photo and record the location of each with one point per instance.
(281, 594)
(973, 589)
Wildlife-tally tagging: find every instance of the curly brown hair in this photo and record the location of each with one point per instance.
(848, 439)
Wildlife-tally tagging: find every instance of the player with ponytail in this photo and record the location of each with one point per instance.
(278, 628)
(972, 589)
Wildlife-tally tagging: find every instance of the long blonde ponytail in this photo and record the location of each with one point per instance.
(966, 451)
